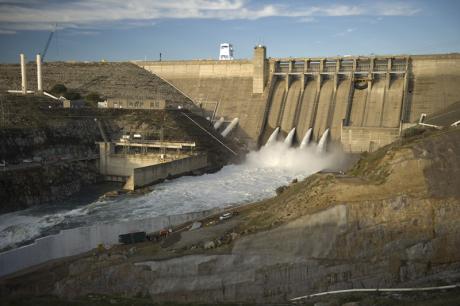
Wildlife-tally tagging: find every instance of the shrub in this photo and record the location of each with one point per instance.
(72, 95)
(92, 98)
(58, 89)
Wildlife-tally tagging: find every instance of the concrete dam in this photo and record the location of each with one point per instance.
(365, 102)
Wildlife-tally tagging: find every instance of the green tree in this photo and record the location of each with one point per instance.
(72, 95)
(58, 90)
(92, 98)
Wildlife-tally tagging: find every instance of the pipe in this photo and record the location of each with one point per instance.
(23, 74)
(430, 125)
(197, 124)
(18, 91)
(218, 123)
(376, 290)
(101, 130)
(50, 95)
(230, 127)
(39, 73)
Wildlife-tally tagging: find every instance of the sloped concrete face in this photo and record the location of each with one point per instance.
(223, 88)
(308, 237)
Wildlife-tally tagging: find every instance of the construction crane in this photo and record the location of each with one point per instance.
(48, 43)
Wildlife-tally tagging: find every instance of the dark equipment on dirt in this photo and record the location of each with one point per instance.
(132, 238)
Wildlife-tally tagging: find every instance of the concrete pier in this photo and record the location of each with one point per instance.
(139, 170)
(39, 73)
(23, 74)
(260, 74)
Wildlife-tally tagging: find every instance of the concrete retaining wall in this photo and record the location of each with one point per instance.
(123, 165)
(80, 240)
(358, 139)
(433, 84)
(147, 175)
(200, 68)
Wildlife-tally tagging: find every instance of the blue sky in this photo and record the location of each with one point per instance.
(192, 29)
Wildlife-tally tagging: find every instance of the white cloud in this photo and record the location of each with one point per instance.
(7, 32)
(397, 9)
(345, 32)
(41, 15)
(307, 19)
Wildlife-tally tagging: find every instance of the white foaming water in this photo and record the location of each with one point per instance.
(323, 141)
(289, 138)
(306, 138)
(273, 136)
(255, 179)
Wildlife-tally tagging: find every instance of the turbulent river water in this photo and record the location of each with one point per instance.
(255, 179)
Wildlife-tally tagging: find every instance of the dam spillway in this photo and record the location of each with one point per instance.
(365, 101)
(331, 94)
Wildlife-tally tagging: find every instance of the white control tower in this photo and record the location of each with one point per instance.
(226, 52)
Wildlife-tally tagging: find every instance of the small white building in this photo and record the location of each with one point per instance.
(226, 52)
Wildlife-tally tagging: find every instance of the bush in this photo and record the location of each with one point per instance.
(92, 98)
(72, 95)
(58, 89)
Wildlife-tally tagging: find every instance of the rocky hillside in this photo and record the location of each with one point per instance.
(112, 80)
(391, 221)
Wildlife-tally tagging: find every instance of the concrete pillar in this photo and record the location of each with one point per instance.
(405, 112)
(291, 66)
(336, 74)
(273, 66)
(388, 74)
(370, 74)
(318, 83)
(260, 75)
(39, 73)
(105, 150)
(302, 80)
(371, 64)
(23, 74)
(306, 65)
(369, 82)
(288, 75)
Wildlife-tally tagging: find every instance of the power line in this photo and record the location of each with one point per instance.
(209, 133)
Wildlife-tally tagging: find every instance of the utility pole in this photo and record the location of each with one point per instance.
(2, 106)
(163, 149)
(160, 56)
